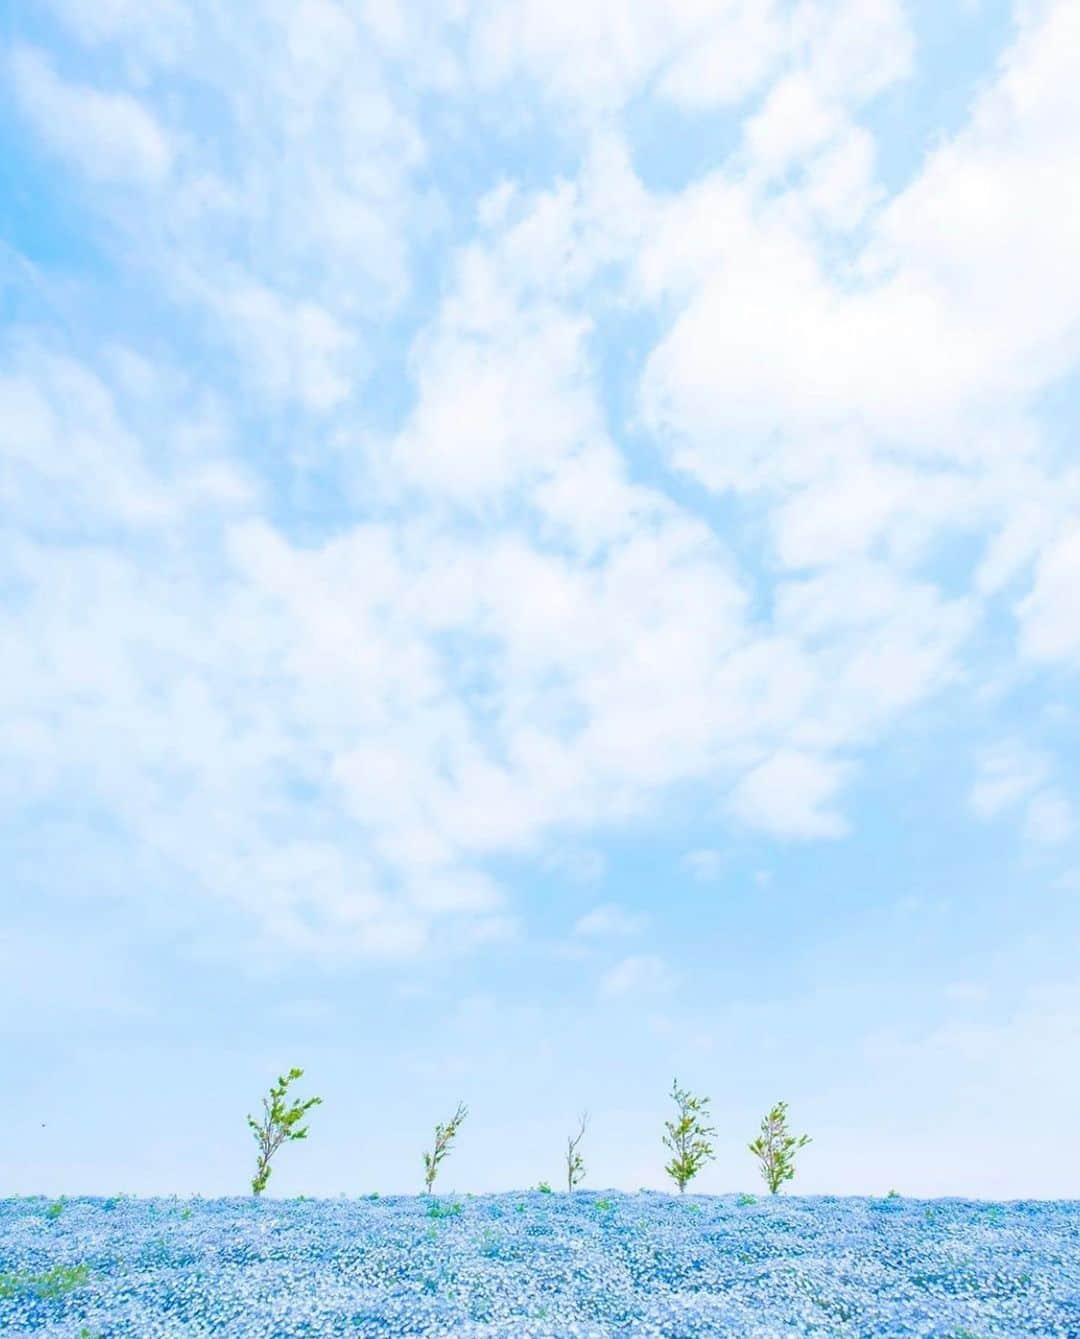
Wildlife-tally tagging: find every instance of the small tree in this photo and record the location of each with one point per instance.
(688, 1137)
(280, 1123)
(444, 1137)
(575, 1167)
(775, 1148)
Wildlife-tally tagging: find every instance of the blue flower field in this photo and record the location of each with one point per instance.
(539, 1266)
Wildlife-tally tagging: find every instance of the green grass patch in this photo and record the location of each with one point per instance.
(53, 1283)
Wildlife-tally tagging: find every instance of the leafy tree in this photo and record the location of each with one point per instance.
(775, 1148)
(575, 1167)
(688, 1137)
(280, 1124)
(444, 1137)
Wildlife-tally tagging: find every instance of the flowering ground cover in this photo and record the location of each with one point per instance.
(539, 1266)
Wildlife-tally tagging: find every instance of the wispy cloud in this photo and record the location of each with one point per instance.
(640, 974)
(705, 865)
(1006, 776)
(110, 136)
(1016, 777)
(610, 920)
(363, 565)
(792, 793)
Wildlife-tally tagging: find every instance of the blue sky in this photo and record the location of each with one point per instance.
(540, 554)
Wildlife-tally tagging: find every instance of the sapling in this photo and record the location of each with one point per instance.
(775, 1148)
(575, 1167)
(444, 1137)
(688, 1137)
(280, 1124)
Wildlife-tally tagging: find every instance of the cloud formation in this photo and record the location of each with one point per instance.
(443, 513)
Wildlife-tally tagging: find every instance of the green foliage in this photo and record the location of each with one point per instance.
(602, 1204)
(688, 1137)
(775, 1148)
(444, 1137)
(280, 1124)
(744, 1200)
(185, 1215)
(53, 1283)
(545, 1188)
(439, 1210)
(56, 1208)
(575, 1167)
(893, 1195)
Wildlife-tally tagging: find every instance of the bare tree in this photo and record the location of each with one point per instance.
(575, 1167)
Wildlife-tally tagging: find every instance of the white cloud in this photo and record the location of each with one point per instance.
(856, 47)
(840, 186)
(610, 920)
(296, 351)
(794, 121)
(522, 632)
(1006, 776)
(109, 136)
(791, 794)
(159, 28)
(810, 390)
(1014, 776)
(476, 431)
(704, 865)
(1049, 819)
(727, 57)
(696, 54)
(730, 379)
(581, 864)
(287, 230)
(271, 666)
(636, 975)
(70, 460)
(596, 58)
(1050, 614)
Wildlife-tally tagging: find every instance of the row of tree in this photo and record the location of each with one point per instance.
(688, 1138)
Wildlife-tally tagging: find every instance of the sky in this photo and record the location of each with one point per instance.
(540, 556)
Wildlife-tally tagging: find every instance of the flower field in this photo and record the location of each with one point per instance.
(538, 1266)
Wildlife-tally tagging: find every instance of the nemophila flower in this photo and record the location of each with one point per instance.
(647, 1267)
